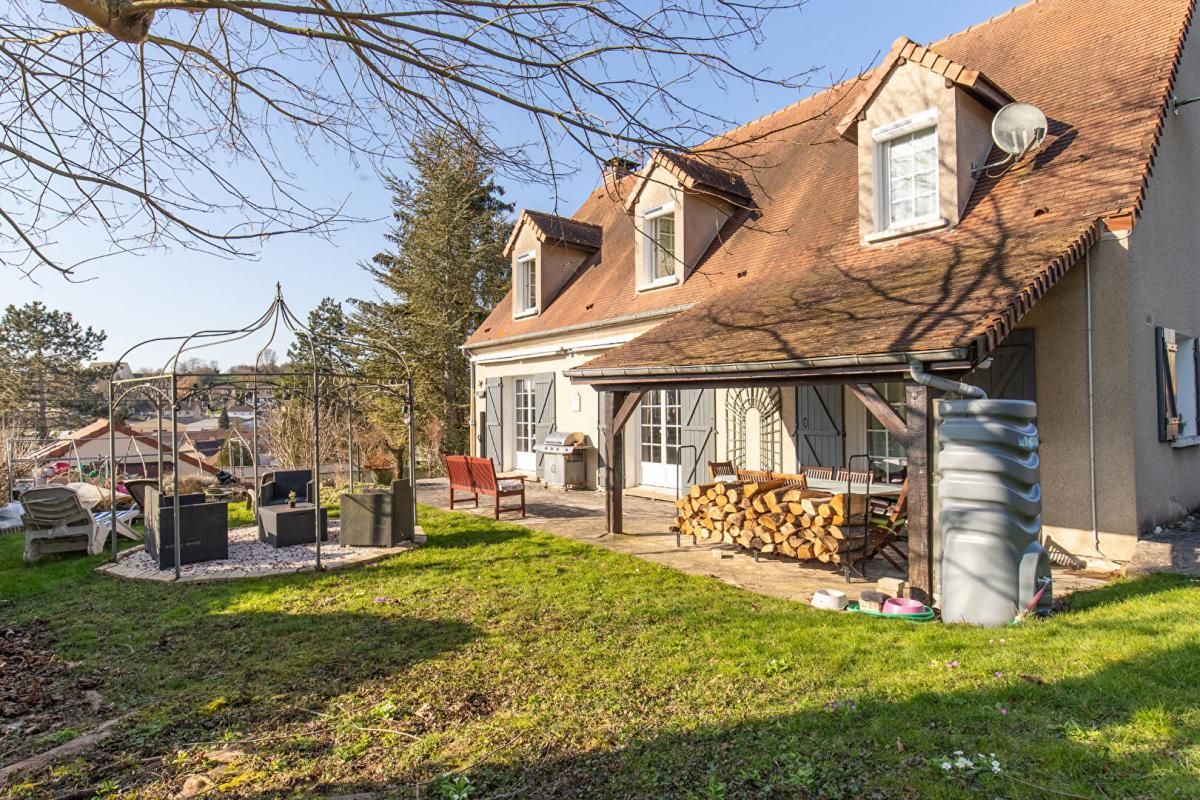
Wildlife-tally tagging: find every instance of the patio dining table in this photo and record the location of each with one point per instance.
(839, 487)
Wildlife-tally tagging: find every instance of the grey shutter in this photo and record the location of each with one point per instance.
(493, 409)
(1164, 368)
(543, 426)
(820, 433)
(698, 437)
(1011, 375)
(633, 433)
(605, 399)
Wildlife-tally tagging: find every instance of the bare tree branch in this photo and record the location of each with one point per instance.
(161, 123)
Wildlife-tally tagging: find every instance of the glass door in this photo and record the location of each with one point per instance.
(660, 430)
(524, 415)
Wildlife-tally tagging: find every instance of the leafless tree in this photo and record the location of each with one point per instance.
(155, 123)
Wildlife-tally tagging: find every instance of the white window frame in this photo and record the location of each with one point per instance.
(1187, 386)
(895, 455)
(663, 471)
(524, 423)
(521, 306)
(883, 136)
(649, 255)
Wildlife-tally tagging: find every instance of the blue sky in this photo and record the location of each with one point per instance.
(175, 293)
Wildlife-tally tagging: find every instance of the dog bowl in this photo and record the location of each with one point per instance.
(829, 599)
(902, 605)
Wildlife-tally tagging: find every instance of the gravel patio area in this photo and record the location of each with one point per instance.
(250, 558)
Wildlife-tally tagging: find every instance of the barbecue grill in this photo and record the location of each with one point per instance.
(564, 459)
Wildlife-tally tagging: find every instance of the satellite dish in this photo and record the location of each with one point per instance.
(1019, 128)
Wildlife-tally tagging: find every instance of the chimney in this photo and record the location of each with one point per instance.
(618, 167)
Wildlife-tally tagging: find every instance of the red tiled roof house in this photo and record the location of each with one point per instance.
(755, 292)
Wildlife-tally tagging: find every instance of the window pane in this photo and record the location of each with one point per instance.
(663, 235)
(912, 177)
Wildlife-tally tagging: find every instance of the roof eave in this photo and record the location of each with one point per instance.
(824, 366)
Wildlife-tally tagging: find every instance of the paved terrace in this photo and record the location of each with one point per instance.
(580, 515)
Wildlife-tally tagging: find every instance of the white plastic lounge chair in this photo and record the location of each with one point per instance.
(56, 522)
(125, 516)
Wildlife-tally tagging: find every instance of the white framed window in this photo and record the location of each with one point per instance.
(526, 284)
(661, 430)
(906, 173)
(888, 455)
(659, 263)
(524, 417)
(1178, 377)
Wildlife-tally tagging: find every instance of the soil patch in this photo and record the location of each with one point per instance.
(44, 699)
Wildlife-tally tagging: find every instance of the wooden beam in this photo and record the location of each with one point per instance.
(628, 405)
(918, 411)
(870, 397)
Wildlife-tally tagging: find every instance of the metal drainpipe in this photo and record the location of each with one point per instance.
(1087, 274)
(917, 370)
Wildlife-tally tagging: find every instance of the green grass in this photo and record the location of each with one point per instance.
(496, 661)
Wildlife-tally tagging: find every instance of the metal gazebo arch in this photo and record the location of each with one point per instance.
(163, 390)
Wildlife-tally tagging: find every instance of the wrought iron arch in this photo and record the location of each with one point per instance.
(768, 402)
(321, 382)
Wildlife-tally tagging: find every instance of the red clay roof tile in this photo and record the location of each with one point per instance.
(813, 290)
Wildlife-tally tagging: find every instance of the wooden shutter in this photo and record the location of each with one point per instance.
(605, 399)
(697, 435)
(1011, 375)
(820, 432)
(543, 425)
(1165, 373)
(494, 431)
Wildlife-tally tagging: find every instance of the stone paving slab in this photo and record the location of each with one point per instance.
(1174, 548)
(580, 515)
(250, 558)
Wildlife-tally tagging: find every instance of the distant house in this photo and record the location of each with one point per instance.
(137, 453)
(761, 299)
(104, 368)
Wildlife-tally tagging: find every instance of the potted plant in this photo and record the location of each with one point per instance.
(380, 468)
(291, 499)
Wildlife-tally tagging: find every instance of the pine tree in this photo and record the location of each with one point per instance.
(328, 323)
(44, 380)
(443, 272)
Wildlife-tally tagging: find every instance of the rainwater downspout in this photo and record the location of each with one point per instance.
(917, 370)
(1087, 275)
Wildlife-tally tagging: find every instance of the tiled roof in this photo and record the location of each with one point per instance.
(696, 175)
(64, 447)
(558, 230)
(788, 277)
(905, 49)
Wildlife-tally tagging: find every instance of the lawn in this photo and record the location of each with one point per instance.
(499, 662)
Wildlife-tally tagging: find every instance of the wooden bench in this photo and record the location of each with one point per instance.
(476, 476)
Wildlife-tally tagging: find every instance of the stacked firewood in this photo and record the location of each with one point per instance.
(774, 517)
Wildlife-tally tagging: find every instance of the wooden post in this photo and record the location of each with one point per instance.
(614, 456)
(617, 411)
(919, 416)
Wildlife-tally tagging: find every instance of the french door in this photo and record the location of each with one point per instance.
(524, 417)
(660, 434)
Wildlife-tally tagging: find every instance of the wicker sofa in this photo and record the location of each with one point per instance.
(203, 528)
(377, 518)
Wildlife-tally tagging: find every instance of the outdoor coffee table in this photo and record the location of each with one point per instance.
(284, 525)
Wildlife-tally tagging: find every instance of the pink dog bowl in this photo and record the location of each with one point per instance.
(902, 605)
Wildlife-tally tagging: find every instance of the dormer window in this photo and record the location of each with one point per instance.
(906, 176)
(659, 257)
(526, 284)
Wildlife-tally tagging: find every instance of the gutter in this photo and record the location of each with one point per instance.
(640, 316)
(827, 363)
